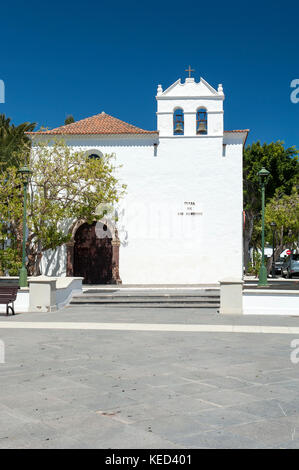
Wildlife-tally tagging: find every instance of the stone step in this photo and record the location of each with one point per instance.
(84, 300)
(152, 304)
(148, 300)
(110, 290)
(147, 296)
(204, 298)
(122, 294)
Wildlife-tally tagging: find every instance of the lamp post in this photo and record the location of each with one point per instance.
(297, 189)
(25, 174)
(263, 175)
(273, 227)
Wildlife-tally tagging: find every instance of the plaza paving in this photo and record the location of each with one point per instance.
(128, 388)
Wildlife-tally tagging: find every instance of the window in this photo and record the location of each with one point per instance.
(94, 155)
(201, 122)
(178, 122)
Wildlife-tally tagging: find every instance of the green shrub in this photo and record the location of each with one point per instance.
(10, 262)
(255, 266)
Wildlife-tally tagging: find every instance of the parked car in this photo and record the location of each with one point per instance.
(278, 265)
(290, 266)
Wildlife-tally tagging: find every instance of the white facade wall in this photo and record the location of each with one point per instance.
(158, 244)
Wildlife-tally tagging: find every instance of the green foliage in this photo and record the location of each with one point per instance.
(69, 119)
(10, 261)
(256, 237)
(284, 211)
(255, 267)
(283, 165)
(10, 256)
(14, 144)
(65, 186)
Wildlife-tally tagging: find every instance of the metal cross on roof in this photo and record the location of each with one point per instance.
(189, 70)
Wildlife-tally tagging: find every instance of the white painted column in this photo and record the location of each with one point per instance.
(42, 294)
(231, 297)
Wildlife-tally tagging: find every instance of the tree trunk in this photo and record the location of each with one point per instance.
(279, 248)
(249, 221)
(33, 262)
(269, 264)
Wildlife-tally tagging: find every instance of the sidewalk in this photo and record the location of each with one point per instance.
(119, 314)
(92, 387)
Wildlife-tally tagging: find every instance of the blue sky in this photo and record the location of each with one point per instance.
(82, 58)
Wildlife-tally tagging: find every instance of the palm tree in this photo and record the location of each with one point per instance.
(14, 143)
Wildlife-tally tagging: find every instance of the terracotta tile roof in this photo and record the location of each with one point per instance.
(99, 124)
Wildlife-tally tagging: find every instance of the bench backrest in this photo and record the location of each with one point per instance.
(8, 293)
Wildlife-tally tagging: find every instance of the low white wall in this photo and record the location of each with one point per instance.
(65, 288)
(270, 302)
(21, 303)
(47, 294)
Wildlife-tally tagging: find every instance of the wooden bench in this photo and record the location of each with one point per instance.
(8, 295)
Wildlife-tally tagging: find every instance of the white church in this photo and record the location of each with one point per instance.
(180, 221)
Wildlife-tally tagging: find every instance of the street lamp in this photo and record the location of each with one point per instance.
(273, 227)
(263, 175)
(25, 174)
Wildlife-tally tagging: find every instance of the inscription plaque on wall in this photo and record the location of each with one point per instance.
(189, 209)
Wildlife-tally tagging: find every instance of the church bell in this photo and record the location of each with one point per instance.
(202, 128)
(178, 128)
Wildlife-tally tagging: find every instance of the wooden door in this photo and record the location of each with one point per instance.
(93, 255)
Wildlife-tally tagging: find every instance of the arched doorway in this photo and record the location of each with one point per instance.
(93, 253)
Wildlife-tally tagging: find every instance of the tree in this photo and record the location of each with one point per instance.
(65, 186)
(283, 165)
(284, 211)
(69, 119)
(14, 143)
(14, 151)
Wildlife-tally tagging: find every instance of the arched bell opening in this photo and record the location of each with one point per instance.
(178, 122)
(201, 122)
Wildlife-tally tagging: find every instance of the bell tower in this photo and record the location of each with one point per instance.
(190, 109)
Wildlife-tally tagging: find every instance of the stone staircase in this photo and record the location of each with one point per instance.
(150, 298)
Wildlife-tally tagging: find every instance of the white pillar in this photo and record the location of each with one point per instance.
(231, 296)
(42, 294)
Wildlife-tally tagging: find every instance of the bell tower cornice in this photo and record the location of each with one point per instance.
(182, 106)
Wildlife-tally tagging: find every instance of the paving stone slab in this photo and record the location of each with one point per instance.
(64, 388)
(271, 432)
(220, 439)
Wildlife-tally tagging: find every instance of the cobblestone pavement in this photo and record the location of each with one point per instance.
(74, 388)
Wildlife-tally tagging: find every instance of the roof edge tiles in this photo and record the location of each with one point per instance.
(95, 125)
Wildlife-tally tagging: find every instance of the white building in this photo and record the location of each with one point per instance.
(181, 220)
